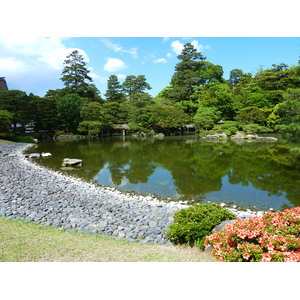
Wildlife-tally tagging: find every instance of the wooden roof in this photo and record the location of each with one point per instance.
(120, 126)
(3, 85)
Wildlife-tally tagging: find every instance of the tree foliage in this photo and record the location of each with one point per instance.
(68, 112)
(75, 74)
(5, 121)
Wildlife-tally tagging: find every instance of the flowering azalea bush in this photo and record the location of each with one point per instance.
(273, 237)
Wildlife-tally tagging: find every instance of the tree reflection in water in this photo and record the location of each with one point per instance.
(188, 168)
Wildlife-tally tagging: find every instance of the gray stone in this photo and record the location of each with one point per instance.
(72, 162)
(266, 138)
(238, 135)
(222, 225)
(34, 155)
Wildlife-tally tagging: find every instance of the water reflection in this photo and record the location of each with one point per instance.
(263, 174)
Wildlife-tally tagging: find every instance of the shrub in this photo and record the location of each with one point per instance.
(254, 128)
(229, 127)
(24, 139)
(191, 225)
(273, 237)
(295, 151)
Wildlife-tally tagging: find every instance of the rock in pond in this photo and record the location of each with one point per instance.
(72, 162)
(47, 154)
(267, 138)
(33, 155)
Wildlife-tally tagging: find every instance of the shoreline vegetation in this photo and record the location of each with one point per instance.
(198, 99)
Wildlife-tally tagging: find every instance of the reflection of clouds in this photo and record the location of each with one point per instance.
(124, 181)
(166, 182)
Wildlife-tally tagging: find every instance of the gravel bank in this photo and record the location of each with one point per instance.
(30, 192)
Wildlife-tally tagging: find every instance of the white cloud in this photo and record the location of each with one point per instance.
(165, 39)
(177, 47)
(114, 65)
(160, 60)
(118, 48)
(199, 47)
(121, 76)
(169, 55)
(33, 64)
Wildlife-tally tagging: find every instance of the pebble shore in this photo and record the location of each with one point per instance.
(33, 193)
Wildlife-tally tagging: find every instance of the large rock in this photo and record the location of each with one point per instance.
(219, 227)
(267, 138)
(222, 225)
(251, 136)
(72, 162)
(238, 135)
(33, 155)
(47, 154)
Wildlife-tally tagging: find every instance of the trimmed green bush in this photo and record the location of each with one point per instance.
(295, 151)
(24, 139)
(191, 225)
(229, 127)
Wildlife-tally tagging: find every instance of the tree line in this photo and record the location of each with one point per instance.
(197, 94)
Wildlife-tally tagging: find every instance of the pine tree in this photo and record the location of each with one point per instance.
(187, 71)
(75, 74)
(114, 92)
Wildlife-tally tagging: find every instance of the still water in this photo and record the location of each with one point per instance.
(187, 168)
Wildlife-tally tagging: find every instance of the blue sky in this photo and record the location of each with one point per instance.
(35, 64)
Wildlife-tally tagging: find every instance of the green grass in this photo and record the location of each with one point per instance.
(5, 141)
(30, 242)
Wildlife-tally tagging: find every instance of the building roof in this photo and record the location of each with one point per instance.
(120, 126)
(3, 85)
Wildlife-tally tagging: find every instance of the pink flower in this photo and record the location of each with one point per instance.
(246, 256)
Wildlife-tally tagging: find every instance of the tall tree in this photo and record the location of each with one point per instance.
(114, 92)
(45, 113)
(129, 85)
(94, 118)
(235, 76)
(75, 74)
(5, 121)
(135, 85)
(18, 104)
(186, 77)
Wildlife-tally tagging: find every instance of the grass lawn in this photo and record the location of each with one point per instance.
(5, 141)
(29, 242)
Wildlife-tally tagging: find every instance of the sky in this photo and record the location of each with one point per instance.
(34, 64)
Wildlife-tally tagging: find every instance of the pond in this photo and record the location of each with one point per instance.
(187, 168)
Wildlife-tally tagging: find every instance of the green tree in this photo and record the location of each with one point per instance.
(94, 118)
(219, 96)
(45, 113)
(18, 104)
(114, 92)
(235, 77)
(135, 85)
(5, 121)
(168, 119)
(75, 74)
(129, 85)
(206, 117)
(252, 114)
(139, 109)
(114, 98)
(186, 77)
(68, 109)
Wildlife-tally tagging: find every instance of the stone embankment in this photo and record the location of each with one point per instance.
(33, 193)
